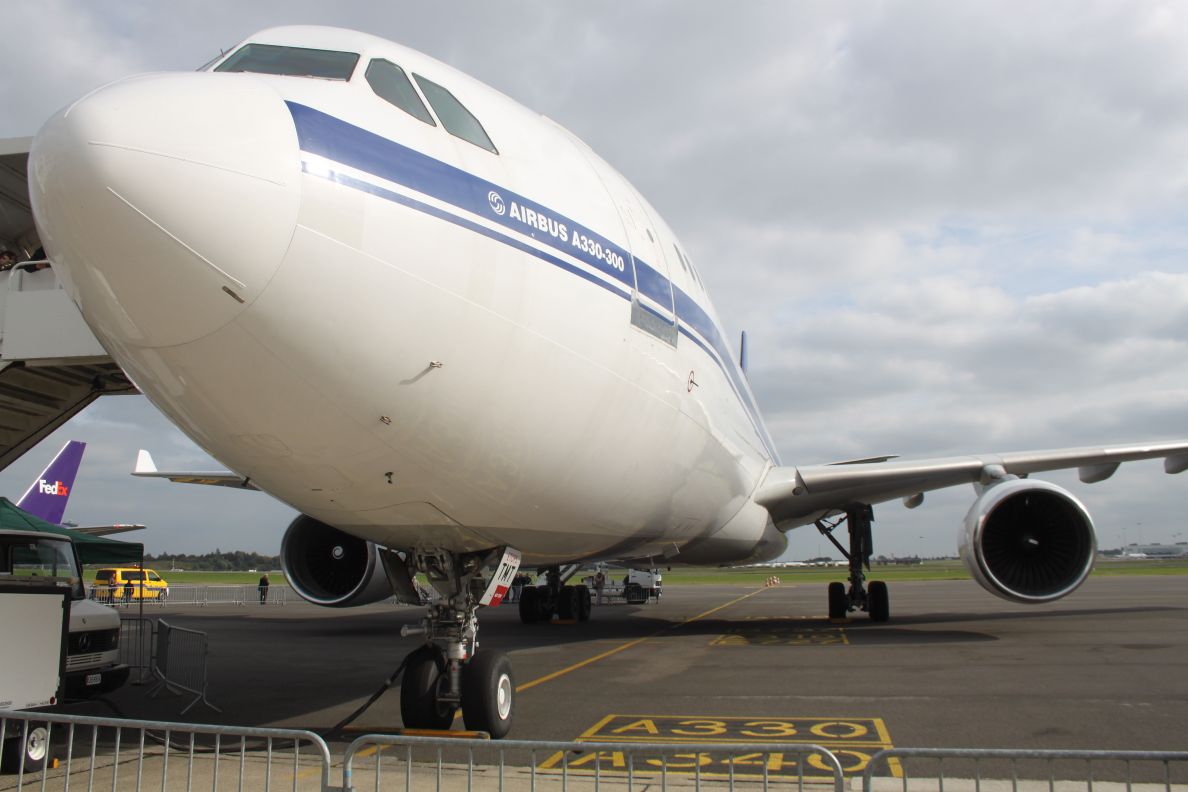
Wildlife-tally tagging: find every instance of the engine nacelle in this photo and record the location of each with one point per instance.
(1028, 541)
(329, 567)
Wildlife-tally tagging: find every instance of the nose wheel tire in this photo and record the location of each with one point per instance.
(420, 706)
(488, 693)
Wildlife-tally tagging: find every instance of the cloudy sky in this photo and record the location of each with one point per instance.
(948, 228)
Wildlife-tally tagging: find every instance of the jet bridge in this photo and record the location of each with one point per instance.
(51, 365)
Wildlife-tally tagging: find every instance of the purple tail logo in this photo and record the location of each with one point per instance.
(57, 488)
(47, 495)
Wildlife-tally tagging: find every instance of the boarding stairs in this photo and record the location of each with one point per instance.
(51, 364)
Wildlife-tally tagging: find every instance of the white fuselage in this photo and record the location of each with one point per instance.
(397, 332)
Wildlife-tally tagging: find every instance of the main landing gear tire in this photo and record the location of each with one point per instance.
(530, 605)
(32, 742)
(583, 595)
(420, 707)
(567, 603)
(839, 603)
(488, 693)
(878, 602)
(546, 607)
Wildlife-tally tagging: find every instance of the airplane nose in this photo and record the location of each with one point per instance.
(167, 202)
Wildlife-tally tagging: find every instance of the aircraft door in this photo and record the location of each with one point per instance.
(651, 301)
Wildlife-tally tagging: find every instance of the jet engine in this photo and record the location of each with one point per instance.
(1028, 541)
(329, 567)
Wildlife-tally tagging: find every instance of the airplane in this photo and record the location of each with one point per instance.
(47, 496)
(457, 341)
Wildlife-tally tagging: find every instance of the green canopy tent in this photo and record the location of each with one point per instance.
(91, 549)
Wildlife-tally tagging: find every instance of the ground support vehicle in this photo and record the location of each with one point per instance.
(124, 584)
(34, 614)
(92, 649)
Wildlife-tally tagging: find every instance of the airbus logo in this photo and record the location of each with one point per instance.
(57, 488)
(496, 201)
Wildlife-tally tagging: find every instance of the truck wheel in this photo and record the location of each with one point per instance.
(33, 742)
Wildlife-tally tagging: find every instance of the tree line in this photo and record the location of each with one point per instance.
(218, 561)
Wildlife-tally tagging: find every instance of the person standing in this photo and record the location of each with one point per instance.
(263, 588)
(599, 583)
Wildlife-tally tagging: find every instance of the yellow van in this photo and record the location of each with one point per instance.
(121, 584)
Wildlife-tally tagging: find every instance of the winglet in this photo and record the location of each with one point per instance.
(144, 464)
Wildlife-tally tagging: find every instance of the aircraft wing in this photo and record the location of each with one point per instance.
(104, 530)
(799, 495)
(146, 468)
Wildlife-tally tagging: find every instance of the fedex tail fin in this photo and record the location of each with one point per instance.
(47, 495)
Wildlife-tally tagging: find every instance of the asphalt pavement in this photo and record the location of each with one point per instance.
(955, 667)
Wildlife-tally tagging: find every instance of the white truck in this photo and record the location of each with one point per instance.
(642, 585)
(41, 593)
(637, 586)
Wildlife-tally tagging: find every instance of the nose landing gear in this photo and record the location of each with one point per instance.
(448, 671)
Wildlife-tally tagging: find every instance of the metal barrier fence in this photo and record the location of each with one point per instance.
(434, 763)
(179, 664)
(962, 770)
(238, 594)
(137, 644)
(130, 755)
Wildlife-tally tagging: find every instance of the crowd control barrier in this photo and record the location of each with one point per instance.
(406, 763)
(989, 769)
(179, 663)
(202, 595)
(138, 635)
(88, 753)
(83, 752)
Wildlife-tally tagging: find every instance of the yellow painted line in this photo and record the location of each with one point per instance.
(718, 740)
(590, 660)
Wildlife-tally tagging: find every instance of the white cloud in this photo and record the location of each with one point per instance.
(948, 228)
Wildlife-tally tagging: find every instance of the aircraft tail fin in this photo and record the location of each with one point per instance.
(47, 495)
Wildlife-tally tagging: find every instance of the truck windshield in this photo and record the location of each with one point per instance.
(48, 560)
(294, 61)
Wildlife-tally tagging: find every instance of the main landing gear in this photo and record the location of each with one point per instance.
(448, 671)
(569, 603)
(872, 598)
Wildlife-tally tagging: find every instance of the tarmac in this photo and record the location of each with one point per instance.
(955, 667)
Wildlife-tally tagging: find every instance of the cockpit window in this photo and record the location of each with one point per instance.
(391, 84)
(457, 120)
(294, 61)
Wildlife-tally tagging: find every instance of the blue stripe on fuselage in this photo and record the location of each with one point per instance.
(338, 141)
(335, 139)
